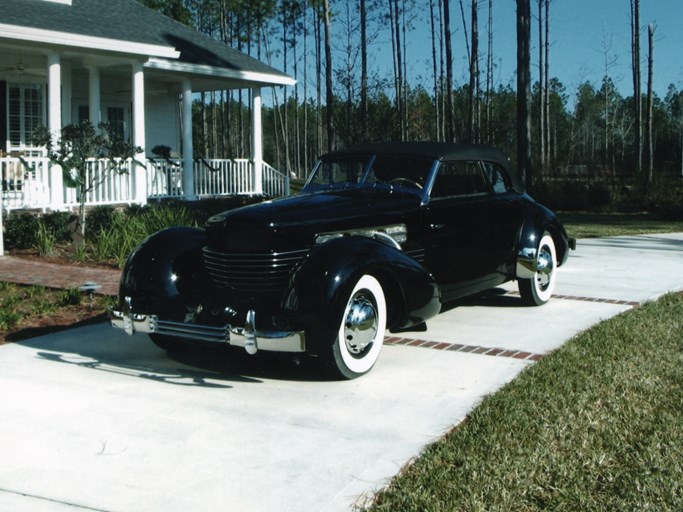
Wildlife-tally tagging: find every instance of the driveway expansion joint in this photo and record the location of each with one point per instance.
(467, 349)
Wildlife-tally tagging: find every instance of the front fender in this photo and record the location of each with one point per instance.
(163, 273)
(321, 284)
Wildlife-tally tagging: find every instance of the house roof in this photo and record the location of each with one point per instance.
(126, 26)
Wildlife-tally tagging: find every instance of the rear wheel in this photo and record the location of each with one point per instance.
(361, 330)
(537, 290)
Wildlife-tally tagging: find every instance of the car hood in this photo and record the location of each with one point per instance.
(292, 223)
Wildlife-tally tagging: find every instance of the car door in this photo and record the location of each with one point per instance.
(506, 209)
(461, 238)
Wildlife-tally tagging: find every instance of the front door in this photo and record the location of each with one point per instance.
(462, 230)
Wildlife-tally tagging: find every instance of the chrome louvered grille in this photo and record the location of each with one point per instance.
(417, 254)
(251, 272)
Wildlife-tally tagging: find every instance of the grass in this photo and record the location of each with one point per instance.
(594, 426)
(592, 225)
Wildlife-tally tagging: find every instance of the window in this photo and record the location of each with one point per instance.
(115, 116)
(25, 112)
(83, 113)
(459, 179)
(499, 180)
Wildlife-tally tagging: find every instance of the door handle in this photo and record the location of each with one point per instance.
(437, 226)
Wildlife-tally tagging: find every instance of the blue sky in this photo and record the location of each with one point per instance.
(580, 29)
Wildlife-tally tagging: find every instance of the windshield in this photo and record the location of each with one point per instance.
(370, 170)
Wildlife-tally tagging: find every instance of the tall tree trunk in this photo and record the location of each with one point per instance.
(450, 119)
(285, 99)
(398, 64)
(328, 78)
(297, 123)
(650, 102)
(319, 79)
(305, 101)
(637, 96)
(489, 77)
(363, 71)
(437, 111)
(474, 78)
(524, 91)
(546, 86)
(541, 85)
(404, 81)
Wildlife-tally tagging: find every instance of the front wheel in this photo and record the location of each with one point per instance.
(361, 330)
(537, 290)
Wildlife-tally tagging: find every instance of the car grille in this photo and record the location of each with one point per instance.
(251, 272)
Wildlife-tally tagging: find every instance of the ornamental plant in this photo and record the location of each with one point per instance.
(75, 150)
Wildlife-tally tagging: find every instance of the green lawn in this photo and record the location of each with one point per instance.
(597, 425)
(592, 225)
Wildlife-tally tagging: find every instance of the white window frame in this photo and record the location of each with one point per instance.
(24, 146)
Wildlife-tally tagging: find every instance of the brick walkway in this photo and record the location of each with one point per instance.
(24, 271)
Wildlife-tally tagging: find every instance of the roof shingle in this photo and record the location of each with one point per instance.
(127, 20)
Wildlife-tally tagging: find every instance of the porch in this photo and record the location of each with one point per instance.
(28, 182)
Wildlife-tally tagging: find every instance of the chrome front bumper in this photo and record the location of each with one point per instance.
(248, 336)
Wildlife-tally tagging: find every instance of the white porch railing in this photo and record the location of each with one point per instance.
(27, 186)
(104, 185)
(214, 178)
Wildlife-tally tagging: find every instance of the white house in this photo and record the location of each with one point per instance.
(64, 61)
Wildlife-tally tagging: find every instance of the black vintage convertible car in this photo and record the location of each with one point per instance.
(380, 237)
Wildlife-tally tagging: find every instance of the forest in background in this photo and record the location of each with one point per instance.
(591, 133)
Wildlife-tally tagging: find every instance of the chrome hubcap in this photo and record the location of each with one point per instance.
(360, 325)
(545, 267)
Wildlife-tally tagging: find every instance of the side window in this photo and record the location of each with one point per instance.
(500, 183)
(459, 179)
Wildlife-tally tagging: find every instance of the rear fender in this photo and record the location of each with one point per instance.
(535, 223)
(321, 284)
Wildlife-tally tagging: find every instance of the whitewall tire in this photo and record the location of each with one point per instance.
(537, 290)
(361, 330)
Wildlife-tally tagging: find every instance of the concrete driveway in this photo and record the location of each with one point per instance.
(95, 420)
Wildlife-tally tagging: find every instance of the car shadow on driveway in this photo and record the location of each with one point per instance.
(494, 298)
(99, 347)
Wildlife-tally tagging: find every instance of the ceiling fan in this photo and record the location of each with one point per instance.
(21, 69)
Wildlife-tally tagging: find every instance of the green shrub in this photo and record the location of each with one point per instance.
(58, 224)
(98, 219)
(21, 230)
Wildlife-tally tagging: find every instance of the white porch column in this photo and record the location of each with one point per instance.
(54, 93)
(67, 92)
(94, 107)
(188, 152)
(139, 172)
(257, 139)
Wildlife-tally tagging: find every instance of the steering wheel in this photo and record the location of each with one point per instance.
(408, 181)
